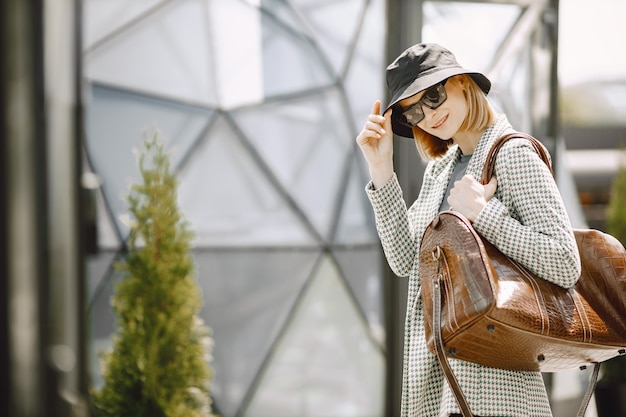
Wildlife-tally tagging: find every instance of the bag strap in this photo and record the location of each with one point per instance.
(591, 387)
(438, 283)
(490, 162)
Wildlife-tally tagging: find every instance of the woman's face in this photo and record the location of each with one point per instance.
(444, 121)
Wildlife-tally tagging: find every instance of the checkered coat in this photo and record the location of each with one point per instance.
(527, 221)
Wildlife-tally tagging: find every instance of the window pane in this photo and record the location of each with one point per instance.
(306, 143)
(325, 365)
(230, 200)
(356, 220)
(333, 25)
(363, 269)
(104, 17)
(291, 63)
(472, 31)
(160, 55)
(248, 296)
(117, 121)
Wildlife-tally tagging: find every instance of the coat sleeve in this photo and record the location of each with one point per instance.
(527, 220)
(392, 224)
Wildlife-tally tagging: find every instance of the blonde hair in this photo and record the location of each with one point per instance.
(479, 116)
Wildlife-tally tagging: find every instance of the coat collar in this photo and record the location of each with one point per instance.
(493, 132)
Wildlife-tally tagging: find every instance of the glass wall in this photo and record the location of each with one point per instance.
(260, 102)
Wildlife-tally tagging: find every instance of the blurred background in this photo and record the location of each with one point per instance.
(260, 102)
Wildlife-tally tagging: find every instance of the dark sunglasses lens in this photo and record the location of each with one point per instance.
(435, 96)
(432, 98)
(413, 115)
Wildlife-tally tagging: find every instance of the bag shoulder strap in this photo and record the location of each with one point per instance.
(490, 162)
(448, 372)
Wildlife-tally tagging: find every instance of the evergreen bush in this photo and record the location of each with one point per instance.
(160, 361)
(614, 370)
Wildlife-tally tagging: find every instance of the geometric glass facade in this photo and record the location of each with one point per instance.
(260, 103)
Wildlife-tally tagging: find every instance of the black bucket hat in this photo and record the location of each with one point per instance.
(418, 68)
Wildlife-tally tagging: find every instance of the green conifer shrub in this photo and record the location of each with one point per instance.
(616, 210)
(159, 363)
(614, 370)
(610, 393)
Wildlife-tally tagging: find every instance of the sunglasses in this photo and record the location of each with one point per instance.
(434, 97)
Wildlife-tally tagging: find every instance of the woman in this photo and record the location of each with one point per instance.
(444, 108)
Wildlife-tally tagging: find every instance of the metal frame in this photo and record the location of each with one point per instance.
(42, 317)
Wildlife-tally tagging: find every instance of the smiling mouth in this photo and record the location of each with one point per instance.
(442, 121)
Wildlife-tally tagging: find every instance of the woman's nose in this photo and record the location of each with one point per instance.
(428, 112)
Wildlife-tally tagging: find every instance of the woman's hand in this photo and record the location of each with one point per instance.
(469, 196)
(376, 143)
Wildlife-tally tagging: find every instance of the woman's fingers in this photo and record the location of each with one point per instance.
(374, 127)
(376, 142)
(376, 107)
(469, 197)
(382, 123)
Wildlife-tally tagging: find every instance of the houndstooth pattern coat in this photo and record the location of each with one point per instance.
(526, 220)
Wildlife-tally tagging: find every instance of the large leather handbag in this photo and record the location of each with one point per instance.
(484, 307)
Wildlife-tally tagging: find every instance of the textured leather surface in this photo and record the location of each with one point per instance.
(496, 313)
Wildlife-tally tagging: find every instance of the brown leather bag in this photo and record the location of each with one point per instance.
(483, 307)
